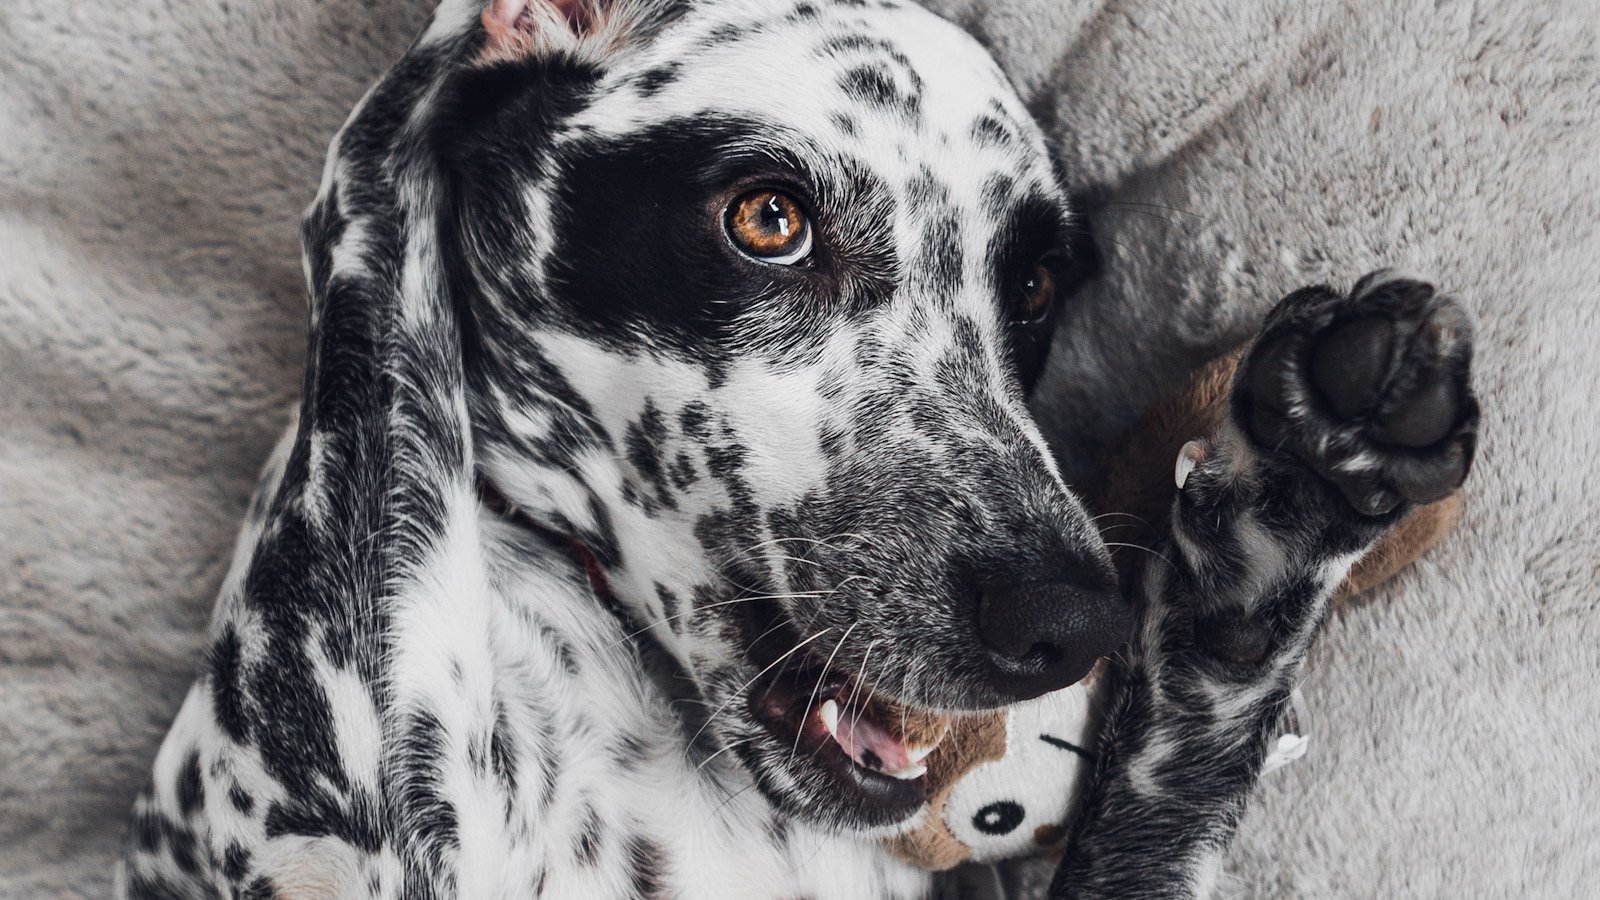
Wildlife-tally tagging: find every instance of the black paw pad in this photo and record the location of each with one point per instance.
(1372, 390)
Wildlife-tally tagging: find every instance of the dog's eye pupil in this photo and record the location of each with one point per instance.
(769, 226)
(1038, 294)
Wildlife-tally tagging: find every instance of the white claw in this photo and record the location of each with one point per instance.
(830, 717)
(1191, 454)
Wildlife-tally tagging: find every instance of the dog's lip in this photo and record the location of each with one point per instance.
(833, 723)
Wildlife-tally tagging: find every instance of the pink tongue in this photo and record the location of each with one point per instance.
(865, 742)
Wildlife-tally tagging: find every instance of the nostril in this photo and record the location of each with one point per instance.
(1042, 654)
(1041, 636)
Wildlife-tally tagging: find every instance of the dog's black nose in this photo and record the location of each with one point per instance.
(1043, 635)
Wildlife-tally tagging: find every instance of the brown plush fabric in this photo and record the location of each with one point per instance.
(1401, 547)
(973, 740)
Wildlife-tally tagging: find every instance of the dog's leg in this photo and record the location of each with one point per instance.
(1347, 416)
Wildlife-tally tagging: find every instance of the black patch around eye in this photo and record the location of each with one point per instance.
(641, 247)
(1033, 232)
(999, 817)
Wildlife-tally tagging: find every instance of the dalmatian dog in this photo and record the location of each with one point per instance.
(662, 485)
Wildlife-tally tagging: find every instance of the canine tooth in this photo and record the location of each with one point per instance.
(909, 772)
(1187, 457)
(918, 755)
(830, 718)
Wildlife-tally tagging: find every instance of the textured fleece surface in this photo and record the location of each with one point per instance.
(155, 155)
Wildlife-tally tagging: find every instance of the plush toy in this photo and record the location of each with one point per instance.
(1005, 784)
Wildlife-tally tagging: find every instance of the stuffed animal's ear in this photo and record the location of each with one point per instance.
(583, 29)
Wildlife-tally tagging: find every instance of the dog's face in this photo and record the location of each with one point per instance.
(758, 289)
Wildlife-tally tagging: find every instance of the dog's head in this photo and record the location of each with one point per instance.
(756, 289)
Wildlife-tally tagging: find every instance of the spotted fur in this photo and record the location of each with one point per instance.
(567, 478)
(411, 691)
(1348, 414)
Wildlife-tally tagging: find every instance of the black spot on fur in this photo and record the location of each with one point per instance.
(235, 862)
(241, 799)
(671, 606)
(652, 81)
(990, 131)
(559, 647)
(871, 84)
(144, 886)
(649, 864)
(191, 789)
(590, 834)
(183, 850)
(631, 751)
(356, 822)
(997, 191)
(942, 258)
(724, 34)
(643, 441)
(695, 421)
(422, 748)
(148, 830)
(683, 471)
(502, 749)
(924, 190)
(725, 462)
(845, 43)
(226, 699)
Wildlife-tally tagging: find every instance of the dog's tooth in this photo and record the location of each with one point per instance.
(909, 772)
(830, 718)
(919, 754)
(1187, 457)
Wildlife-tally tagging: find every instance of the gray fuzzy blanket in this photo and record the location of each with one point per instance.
(154, 156)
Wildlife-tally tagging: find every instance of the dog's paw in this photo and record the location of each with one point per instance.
(1371, 390)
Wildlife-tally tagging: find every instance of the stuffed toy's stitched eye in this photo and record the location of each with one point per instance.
(769, 226)
(1000, 817)
(1038, 294)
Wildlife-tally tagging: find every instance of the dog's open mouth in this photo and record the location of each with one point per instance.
(835, 726)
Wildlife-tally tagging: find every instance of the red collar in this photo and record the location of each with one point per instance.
(497, 503)
(591, 568)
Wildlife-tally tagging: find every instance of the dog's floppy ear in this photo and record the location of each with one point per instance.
(588, 30)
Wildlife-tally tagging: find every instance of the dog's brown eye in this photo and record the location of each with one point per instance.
(1038, 293)
(770, 226)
